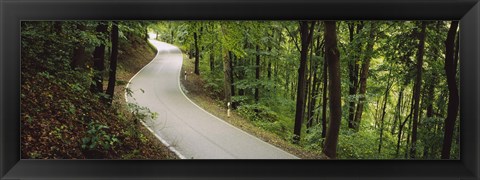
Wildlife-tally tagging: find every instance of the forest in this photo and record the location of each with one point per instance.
(345, 89)
(333, 89)
(73, 77)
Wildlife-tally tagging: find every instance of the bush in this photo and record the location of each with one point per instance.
(98, 138)
(258, 112)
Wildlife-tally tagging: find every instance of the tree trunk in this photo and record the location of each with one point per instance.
(453, 99)
(324, 98)
(353, 77)
(313, 98)
(113, 62)
(376, 114)
(398, 110)
(79, 55)
(364, 76)
(227, 79)
(400, 129)
(309, 87)
(417, 89)
(257, 73)
(333, 58)
(385, 99)
(232, 81)
(99, 60)
(197, 54)
(306, 36)
(408, 136)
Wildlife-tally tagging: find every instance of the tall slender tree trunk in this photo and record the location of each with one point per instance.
(407, 150)
(333, 58)
(398, 110)
(257, 73)
(417, 88)
(400, 129)
(364, 76)
(382, 119)
(269, 69)
(306, 36)
(453, 99)
(197, 54)
(353, 77)
(324, 98)
(313, 98)
(113, 62)
(310, 88)
(227, 79)
(99, 59)
(232, 80)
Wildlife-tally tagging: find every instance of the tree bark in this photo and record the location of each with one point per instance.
(453, 99)
(324, 98)
(79, 54)
(313, 98)
(257, 73)
(398, 110)
(333, 58)
(382, 119)
(113, 62)
(417, 88)
(197, 54)
(99, 60)
(353, 77)
(310, 88)
(400, 131)
(364, 76)
(306, 36)
(226, 78)
(232, 80)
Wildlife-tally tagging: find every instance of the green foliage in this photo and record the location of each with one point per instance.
(364, 145)
(258, 112)
(141, 112)
(392, 66)
(57, 102)
(214, 83)
(98, 138)
(313, 140)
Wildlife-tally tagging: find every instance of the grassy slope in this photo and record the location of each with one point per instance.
(201, 97)
(55, 117)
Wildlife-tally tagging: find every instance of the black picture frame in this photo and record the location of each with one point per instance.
(14, 11)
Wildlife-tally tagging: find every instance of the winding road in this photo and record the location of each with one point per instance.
(187, 129)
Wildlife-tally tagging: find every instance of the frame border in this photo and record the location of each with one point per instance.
(12, 12)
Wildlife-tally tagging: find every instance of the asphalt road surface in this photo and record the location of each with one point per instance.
(188, 130)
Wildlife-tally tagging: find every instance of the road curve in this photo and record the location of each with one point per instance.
(188, 130)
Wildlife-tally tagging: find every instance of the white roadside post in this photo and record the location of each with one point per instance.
(228, 109)
(185, 75)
